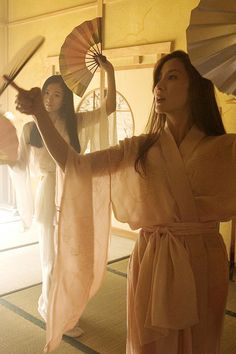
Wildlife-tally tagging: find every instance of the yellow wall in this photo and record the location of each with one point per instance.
(22, 9)
(127, 23)
(3, 11)
(130, 22)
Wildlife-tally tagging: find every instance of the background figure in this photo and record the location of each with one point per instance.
(173, 184)
(34, 159)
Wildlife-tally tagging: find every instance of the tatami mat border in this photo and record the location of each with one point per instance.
(41, 324)
(117, 272)
(20, 246)
(21, 289)
(118, 259)
(108, 268)
(22, 313)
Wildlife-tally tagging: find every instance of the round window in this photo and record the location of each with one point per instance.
(123, 115)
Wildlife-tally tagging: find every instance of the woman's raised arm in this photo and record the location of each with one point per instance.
(111, 84)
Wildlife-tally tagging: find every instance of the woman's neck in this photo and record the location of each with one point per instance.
(54, 116)
(179, 127)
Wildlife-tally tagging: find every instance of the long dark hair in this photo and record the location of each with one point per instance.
(203, 107)
(67, 113)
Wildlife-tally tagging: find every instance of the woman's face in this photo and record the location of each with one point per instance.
(171, 94)
(53, 97)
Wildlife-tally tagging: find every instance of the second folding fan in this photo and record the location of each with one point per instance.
(78, 54)
(211, 42)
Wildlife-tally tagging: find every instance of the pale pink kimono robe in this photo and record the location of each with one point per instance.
(33, 161)
(178, 272)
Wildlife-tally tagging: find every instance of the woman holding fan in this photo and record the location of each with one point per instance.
(34, 159)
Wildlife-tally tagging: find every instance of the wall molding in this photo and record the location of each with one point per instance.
(68, 10)
(55, 13)
(125, 58)
(138, 56)
(111, 1)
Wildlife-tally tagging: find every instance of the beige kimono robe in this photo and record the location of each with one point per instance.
(178, 272)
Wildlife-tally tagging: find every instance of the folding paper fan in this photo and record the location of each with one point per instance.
(78, 53)
(211, 42)
(19, 60)
(8, 141)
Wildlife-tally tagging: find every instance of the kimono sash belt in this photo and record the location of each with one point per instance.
(165, 297)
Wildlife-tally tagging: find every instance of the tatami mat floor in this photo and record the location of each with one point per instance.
(22, 331)
(104, 320)
(19, 253)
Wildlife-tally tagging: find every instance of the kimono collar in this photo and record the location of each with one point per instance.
(176, 171)
(190, 141)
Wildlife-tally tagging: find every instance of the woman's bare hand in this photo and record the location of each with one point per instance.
(104, 63)
(29, 102)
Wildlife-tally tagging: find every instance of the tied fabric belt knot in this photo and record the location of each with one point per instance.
(161, 231)
(165, 296)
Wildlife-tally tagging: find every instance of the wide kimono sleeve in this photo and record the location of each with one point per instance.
(20, 175)
(83, 239)
(96, 130)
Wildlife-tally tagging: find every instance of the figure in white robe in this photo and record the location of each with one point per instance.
(36, 161)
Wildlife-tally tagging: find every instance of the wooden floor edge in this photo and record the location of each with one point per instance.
(125, 233)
